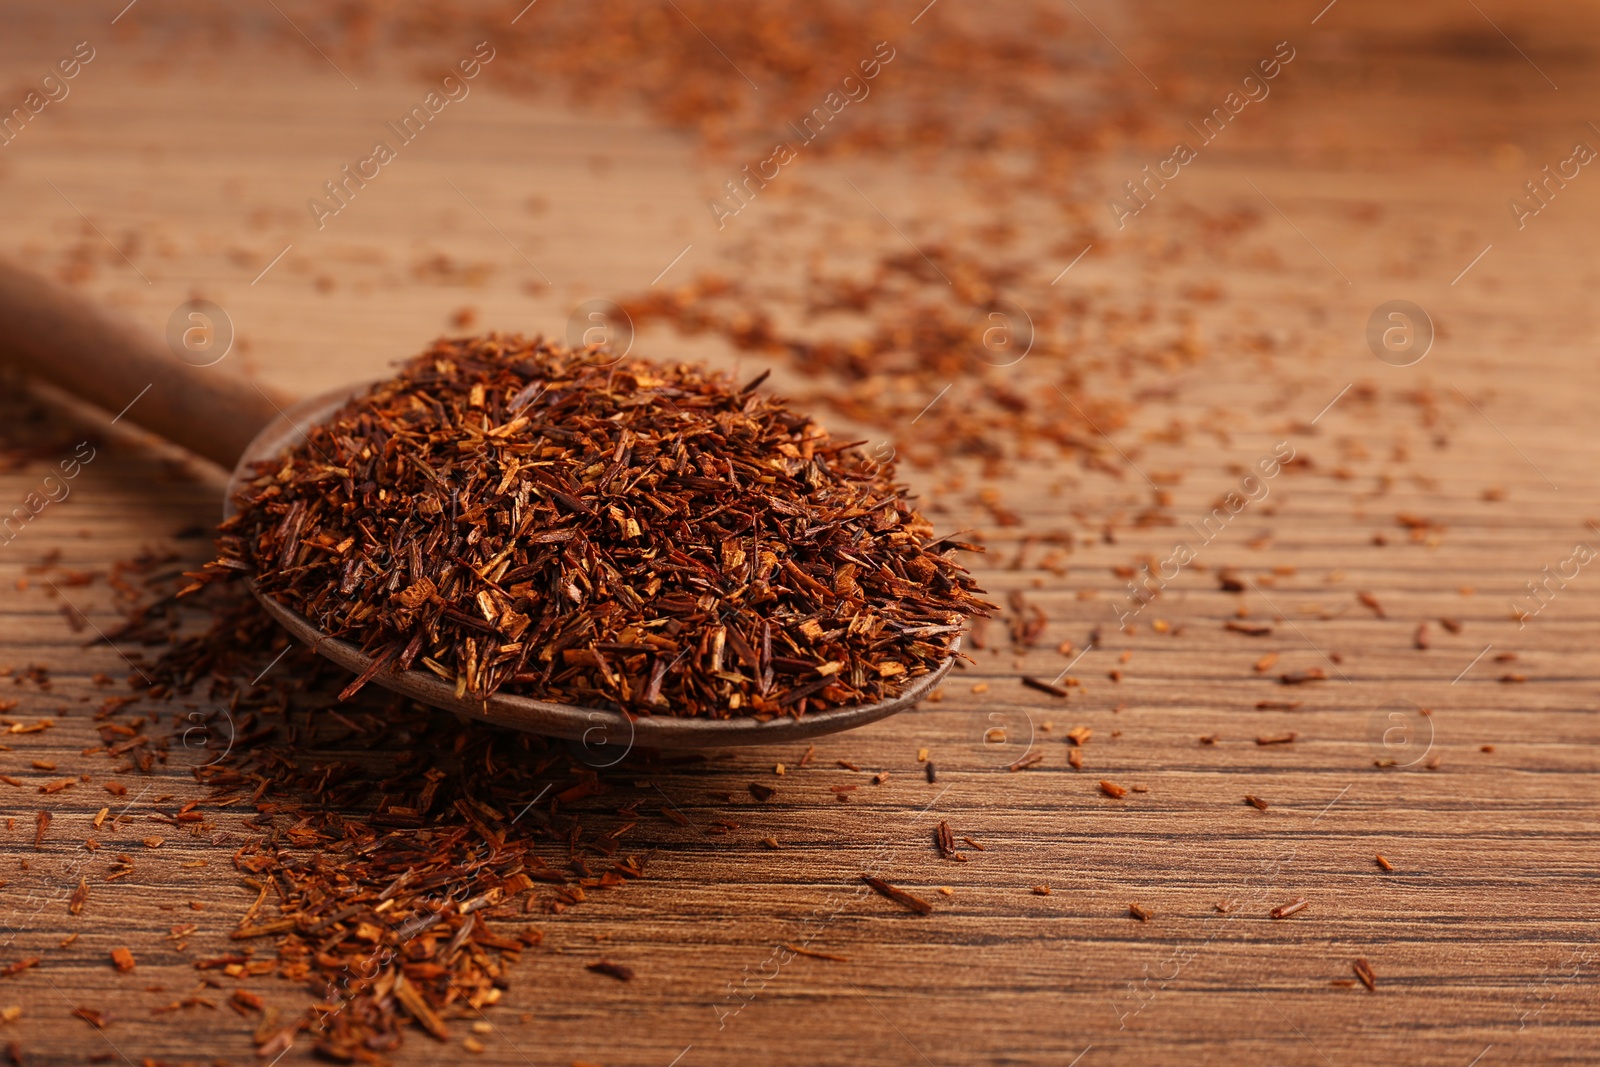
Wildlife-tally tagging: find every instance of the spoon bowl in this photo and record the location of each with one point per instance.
(601, 733)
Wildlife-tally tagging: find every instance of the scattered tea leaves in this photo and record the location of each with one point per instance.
(620, 972)
(899, 896)
(1045, 687)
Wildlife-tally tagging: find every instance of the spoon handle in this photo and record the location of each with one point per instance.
(51, 333)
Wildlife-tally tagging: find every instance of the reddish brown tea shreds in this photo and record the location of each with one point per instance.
(922, 335)
(898, 895)
(396, 853)
(519, 517)
(1025, 81)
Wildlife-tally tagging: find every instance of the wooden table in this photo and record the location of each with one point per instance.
(1381, 173)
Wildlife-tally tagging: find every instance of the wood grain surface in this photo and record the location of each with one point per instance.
(1378, 170)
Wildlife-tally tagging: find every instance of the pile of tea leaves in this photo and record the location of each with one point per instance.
(516, 516)
(397, 855)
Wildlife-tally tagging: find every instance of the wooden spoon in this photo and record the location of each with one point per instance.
(55, 335)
